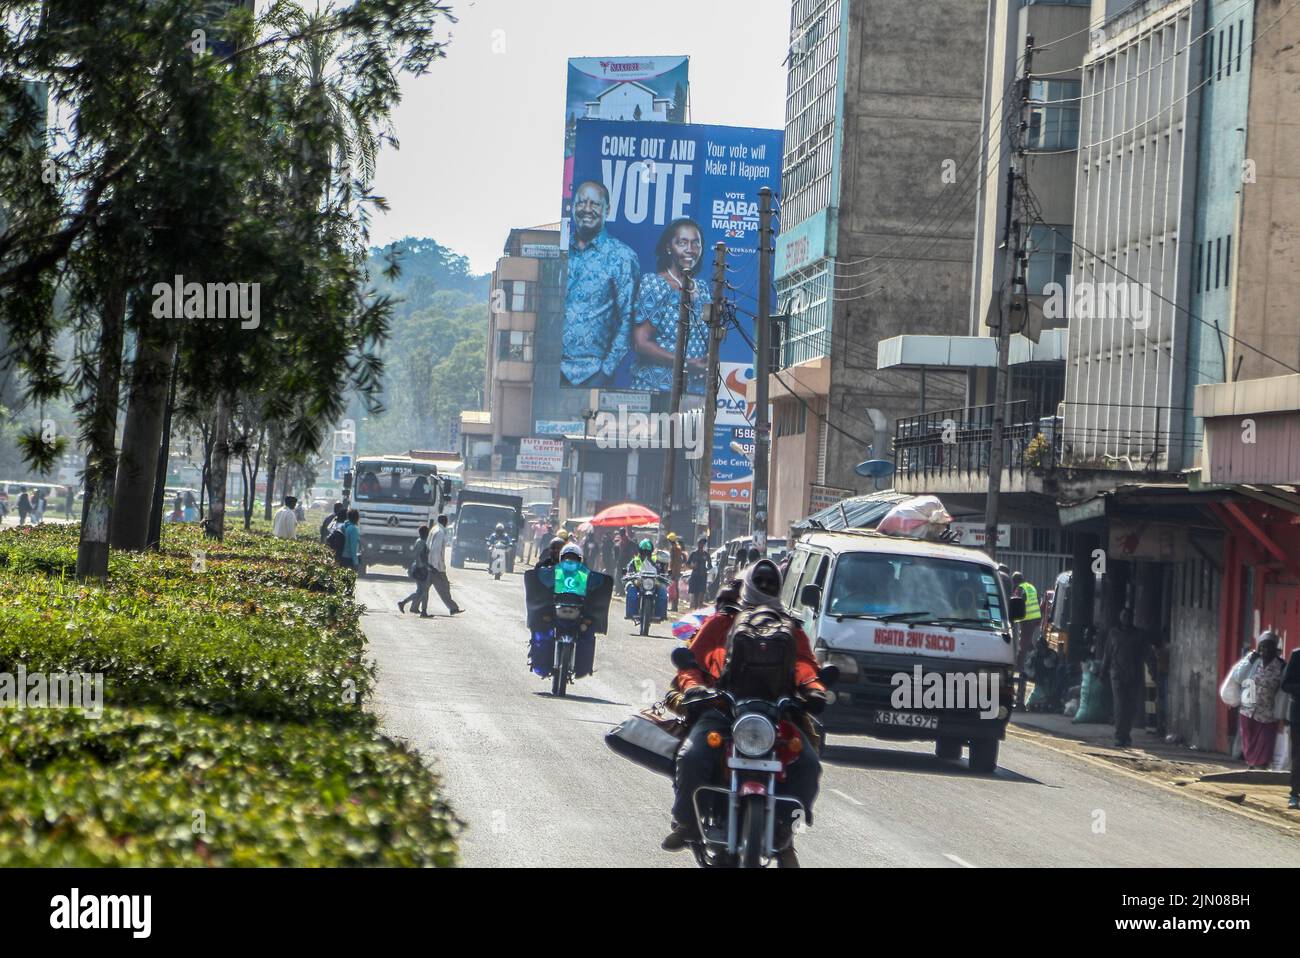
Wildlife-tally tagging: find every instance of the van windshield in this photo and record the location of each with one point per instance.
(916, 589)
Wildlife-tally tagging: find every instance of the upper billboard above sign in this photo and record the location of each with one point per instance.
(650, 202)
(651, 89)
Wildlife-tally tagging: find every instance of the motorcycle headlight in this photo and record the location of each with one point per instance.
(648, 581)
(753, 735)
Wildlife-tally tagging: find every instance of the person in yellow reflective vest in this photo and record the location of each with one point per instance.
(644, 561)
(1028, 628)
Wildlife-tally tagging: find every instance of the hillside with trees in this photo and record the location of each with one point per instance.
(434, 357)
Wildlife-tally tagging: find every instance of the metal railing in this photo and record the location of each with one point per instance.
(955, 443)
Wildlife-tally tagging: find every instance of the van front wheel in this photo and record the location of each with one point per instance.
(984, 756)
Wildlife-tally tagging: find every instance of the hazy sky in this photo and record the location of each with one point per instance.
(482, 134)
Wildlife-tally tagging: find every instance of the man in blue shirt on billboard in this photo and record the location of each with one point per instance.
(602, 289)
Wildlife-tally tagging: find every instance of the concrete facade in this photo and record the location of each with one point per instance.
(869, 246)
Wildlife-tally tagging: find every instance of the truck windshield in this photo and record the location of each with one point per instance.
(946, 591)
(384, 482)
(479, 520)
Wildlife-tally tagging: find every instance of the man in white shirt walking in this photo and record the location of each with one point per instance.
(438, 566)
(285, 523)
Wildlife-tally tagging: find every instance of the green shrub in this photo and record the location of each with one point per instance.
(232, 730)
(173, 787)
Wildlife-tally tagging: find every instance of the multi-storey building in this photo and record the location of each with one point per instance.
(878, 111)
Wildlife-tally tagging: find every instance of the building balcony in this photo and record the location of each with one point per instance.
(512, 371)
(947, 452)
(1252, 431)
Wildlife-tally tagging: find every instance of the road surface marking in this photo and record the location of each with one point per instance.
(847, 798)
(960, 861)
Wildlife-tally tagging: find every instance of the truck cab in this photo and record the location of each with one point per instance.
(395, 496)
(921, 633)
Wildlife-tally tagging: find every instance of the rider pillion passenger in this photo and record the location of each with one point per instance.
(567, 581)
(698, 763)
(552, 556)
(499, 534)
(644, 560)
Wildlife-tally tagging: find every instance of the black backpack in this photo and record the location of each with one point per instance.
(760, 655)
(334, 541)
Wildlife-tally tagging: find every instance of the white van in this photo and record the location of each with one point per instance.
(902, 619)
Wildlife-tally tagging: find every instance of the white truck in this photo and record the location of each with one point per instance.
(395, 495)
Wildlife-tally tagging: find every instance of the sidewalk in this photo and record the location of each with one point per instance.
(1212, 777)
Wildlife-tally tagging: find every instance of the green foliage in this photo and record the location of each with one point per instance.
(157, 787)
(234, 674)
(434, 357)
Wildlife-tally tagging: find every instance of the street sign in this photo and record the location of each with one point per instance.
(972, 534)
(342, 465)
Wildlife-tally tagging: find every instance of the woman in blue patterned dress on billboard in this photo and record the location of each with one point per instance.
(658, 305)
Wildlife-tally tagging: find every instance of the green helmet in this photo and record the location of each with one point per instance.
(646, 546)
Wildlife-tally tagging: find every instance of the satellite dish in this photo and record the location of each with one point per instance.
(875, 469)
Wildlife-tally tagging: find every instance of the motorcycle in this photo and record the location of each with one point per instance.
(568, 628)
(737, 822)
(564, 626)
(498, 549)
(647, 583)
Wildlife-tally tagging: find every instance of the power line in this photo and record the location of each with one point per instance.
(1164, 299)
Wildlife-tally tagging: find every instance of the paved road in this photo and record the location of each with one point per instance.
(538, 787)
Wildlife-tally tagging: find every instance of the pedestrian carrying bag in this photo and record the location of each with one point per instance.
(1230, 690)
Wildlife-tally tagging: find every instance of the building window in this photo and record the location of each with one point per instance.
(517, 295)
(791, 419)
(1054, 116)
(515, 346)
(1051, 257)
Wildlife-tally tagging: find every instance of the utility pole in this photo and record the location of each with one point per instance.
(762, 359)
(675, 400)
(1013, 246)
(716, 333)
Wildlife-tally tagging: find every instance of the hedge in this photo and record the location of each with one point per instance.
(232, 731)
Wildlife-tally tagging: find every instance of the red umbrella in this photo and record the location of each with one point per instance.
(627, 514)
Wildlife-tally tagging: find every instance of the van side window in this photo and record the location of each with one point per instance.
(814, 573)
(790, 593)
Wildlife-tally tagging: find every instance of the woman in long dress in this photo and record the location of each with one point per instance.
(658, 308)
(1258, 726)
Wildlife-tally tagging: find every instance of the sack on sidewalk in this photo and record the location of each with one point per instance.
(1095, 706)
